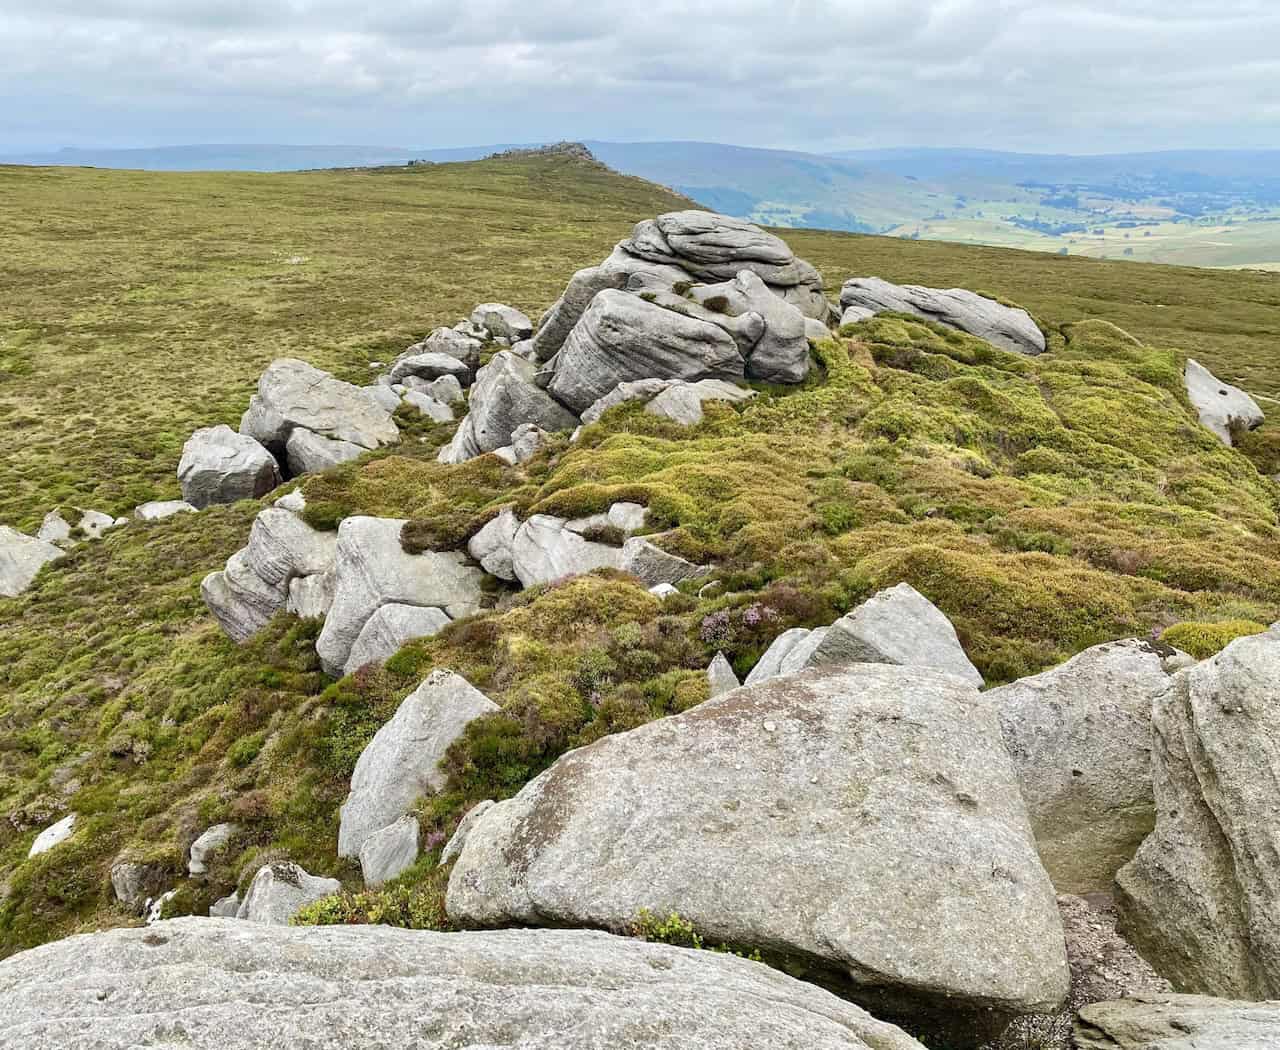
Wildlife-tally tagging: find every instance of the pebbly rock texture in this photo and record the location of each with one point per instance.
(453, 848)
(220, 466)
(371, 569)
(862, 823)
(21, 559)
(209, 843)
(682, 402)
(504, 397)
(1200, 898)
(543, 550)
(622, 338)
(720, 676)
(896, 626)
(399, 765)
(389, 852)
(391, 627)
(1178, 1022)
(52, 836)
(1220, 405)
(279, 890)
(1080, 737)
(217, 985)
(308, 453)
(502, 321)
(157, 510)
(293, 394)
(1005, 327)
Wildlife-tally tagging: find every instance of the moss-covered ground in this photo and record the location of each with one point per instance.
(1044, 504)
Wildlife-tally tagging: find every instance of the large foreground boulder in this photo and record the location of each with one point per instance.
(1006, 327)
(864, 824)
(220, 466)
(401, 762)
(1178, 1022)
(21, 559)
(1220, 405)
(372, 569)
(1201, 900)
(208, 984)
(1080, 737)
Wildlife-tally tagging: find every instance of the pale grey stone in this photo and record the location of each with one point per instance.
(311, 597)
(240, 600)
(502, 321)
(390, 851)
(437, 411)
(543, 550)
(504, 397)
(720, 676)
(854, 314)
(225, 907)
(1200, 898)
(465, 347)
(159, 509)
(1178, 1022)
(1219, 404)
(628, 517)
(458, 839)
(400, 764)
(209, 843)
(770, 663)
(492, 545)
(621, 338)
(682, 402)
(446, 390)
(54, 835)
(639, 390)
(154, 910)
(863, 821)
(745, 327)
(1005, 327)
(431, 366)
(220, 466)
(309, 453)
(282, 546)
(1080, 737)
(210, 984)
(391, 627)
(94, 524)
(133, 882)
(294, 501)
(526, 441)
(21, 559)
(278, 891)
(714, 247)
(781, 353)
(372, 569)
(663, 591)
(292, 394)
(652, 565)
(54, 528)
(384, 396)
(474, 331)
(815, 331)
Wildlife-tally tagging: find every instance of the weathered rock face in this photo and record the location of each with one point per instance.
(430, 366)
(279, 890)
(1220, 405)
(453, 848)
(543, 550)
(159, 509)
(293, 394)
(21, 559)
(863, 822)
(220, 466)
(389, 852)
(241, 601)
(896, 626)
(491, 546)
(399, 765)
(134, 883)
(391, 627)
(526, 442)
(640, 390)
(622, 338)
(463, 346)
(502, 321)
(378, 988)
(308, 453)
(1080, 737)
(54, 835)
(1199, 899)
(720, 676)
(209, 843)
(652, 565)
(503, 398)
(311, 597)
(1002, 326)
(436, 411)
(371, 569)
(781, 353)
(1178, 1022)
(682, 402)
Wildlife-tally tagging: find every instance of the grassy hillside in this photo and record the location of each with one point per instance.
(1044, 504)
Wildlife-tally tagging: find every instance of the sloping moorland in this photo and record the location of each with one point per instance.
(1044, 504)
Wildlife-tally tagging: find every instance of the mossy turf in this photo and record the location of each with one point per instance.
(1044, 504)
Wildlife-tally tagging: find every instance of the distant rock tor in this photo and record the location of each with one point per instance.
(210, 984)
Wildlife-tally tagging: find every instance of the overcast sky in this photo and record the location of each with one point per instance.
(1042, 75)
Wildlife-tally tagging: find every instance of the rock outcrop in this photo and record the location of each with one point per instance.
(308, 453)
(1178, 1022)
(1002, 326)
(278, 891)
(864, 823)
(1200, 898)
(21, 559)
(543, 550)
(54, 835)
(157, 510)
(721, 678)
(379, 988)
(682, 402)
(390, 851)
(391, 627)
(1080, 737)
(502, 321)
(220, 466)
(210, 842)
(1220, 405)
(400, 764)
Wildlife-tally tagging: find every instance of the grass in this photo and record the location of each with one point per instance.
(1044, 504)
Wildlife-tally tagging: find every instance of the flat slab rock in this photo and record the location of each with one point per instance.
(21, 559)
(863, 823)
(215, 984)
(1178, 1022)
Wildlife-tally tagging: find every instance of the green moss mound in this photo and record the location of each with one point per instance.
(1203, 640)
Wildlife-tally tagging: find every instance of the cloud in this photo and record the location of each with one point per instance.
(1057, 75)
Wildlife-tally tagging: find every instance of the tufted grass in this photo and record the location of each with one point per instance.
(1044, 504)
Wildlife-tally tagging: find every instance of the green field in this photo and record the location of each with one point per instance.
(1044, 504)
